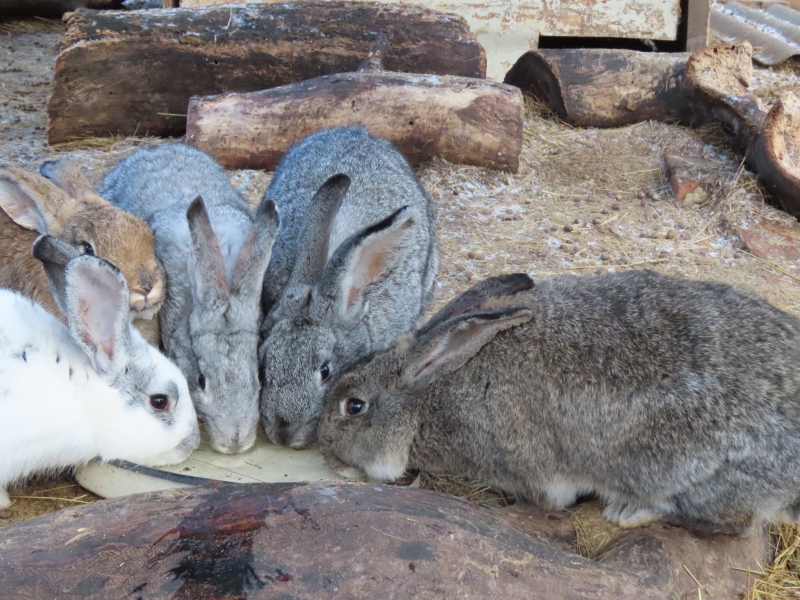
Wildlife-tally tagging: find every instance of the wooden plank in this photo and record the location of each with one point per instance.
(134, 72)
(697, 24)
(509, 28)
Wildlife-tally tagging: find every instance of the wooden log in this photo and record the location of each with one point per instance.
(134, 72)
(51, 8)
(770, 140)
(324, 540)
(465, 120)
(606, 88)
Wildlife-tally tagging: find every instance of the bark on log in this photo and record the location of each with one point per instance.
(126, 73)
(356, 541)
(606, 88)
(770, 140)
(466, 121)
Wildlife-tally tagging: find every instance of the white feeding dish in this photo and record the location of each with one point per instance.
(264, 463)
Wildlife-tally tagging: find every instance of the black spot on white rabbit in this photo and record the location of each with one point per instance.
(670, 399)
(91, 388)
(215, 250)
(353, 267)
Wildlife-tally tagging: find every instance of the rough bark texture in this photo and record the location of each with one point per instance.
(661, 555)
(606, 88)
(325, 540)
(466, 121)
(770, 140)
(126, 73)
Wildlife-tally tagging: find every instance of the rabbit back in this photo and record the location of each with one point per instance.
(42, 371)
(166, 177)
(381, 182)
(654, 392)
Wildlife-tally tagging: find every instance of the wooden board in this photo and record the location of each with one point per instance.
(134, 72)
(509, 28)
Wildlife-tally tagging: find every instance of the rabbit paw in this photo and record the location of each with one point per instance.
(628, 516)
(5, 501)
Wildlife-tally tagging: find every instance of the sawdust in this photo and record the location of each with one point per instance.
(584, 201)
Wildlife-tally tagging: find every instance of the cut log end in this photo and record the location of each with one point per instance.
(606, 88)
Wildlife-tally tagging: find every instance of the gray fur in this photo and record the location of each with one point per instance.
(308, 322)
(670, 399)
(211, 318)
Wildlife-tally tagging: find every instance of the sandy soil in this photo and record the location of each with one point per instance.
(584, 201)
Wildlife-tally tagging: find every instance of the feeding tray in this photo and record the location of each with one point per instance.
(264, 463)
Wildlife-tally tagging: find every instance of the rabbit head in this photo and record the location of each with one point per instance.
(321, 324)
(60, 202)
(156, 424)
(224, 327)
(374, 413)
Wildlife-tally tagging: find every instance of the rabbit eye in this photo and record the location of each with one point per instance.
(88, 248)
(159, 402)
(201, 381)
(325, 372)
(354, 407)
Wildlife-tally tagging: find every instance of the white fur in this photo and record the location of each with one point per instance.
(51, 420)
(385, 469)
(563, 493)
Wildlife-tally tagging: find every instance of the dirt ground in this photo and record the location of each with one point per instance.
(584, 201)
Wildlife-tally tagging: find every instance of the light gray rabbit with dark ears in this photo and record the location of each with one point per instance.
(669, 399)
(215, 251)
(353, 267)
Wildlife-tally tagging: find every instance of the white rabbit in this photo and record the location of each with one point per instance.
(93, 388)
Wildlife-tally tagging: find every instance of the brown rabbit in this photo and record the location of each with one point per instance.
(60, 202)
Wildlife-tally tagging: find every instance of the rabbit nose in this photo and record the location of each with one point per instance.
(145, 281)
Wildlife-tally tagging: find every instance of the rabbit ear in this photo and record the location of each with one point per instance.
(450, 345)
(253, 259)
(66, 176)
(492, 292)
(54, 255)
(97, 311)
(25, 202)
(365, 258)
(316, 233)
(209, 284)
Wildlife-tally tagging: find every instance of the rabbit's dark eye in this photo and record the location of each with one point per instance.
(325, 372)
(159, 402)
(201, 381)
(354, 407)
(88, 248)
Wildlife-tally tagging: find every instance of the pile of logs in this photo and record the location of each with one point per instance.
(133, 72)
(465, 120)
(258, 78)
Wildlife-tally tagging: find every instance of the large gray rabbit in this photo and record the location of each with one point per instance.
(670, 399)
(353, 267)
(215, 252)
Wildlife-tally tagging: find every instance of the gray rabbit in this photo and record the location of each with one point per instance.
(353, 267)
(670, 399)
(215, 251)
